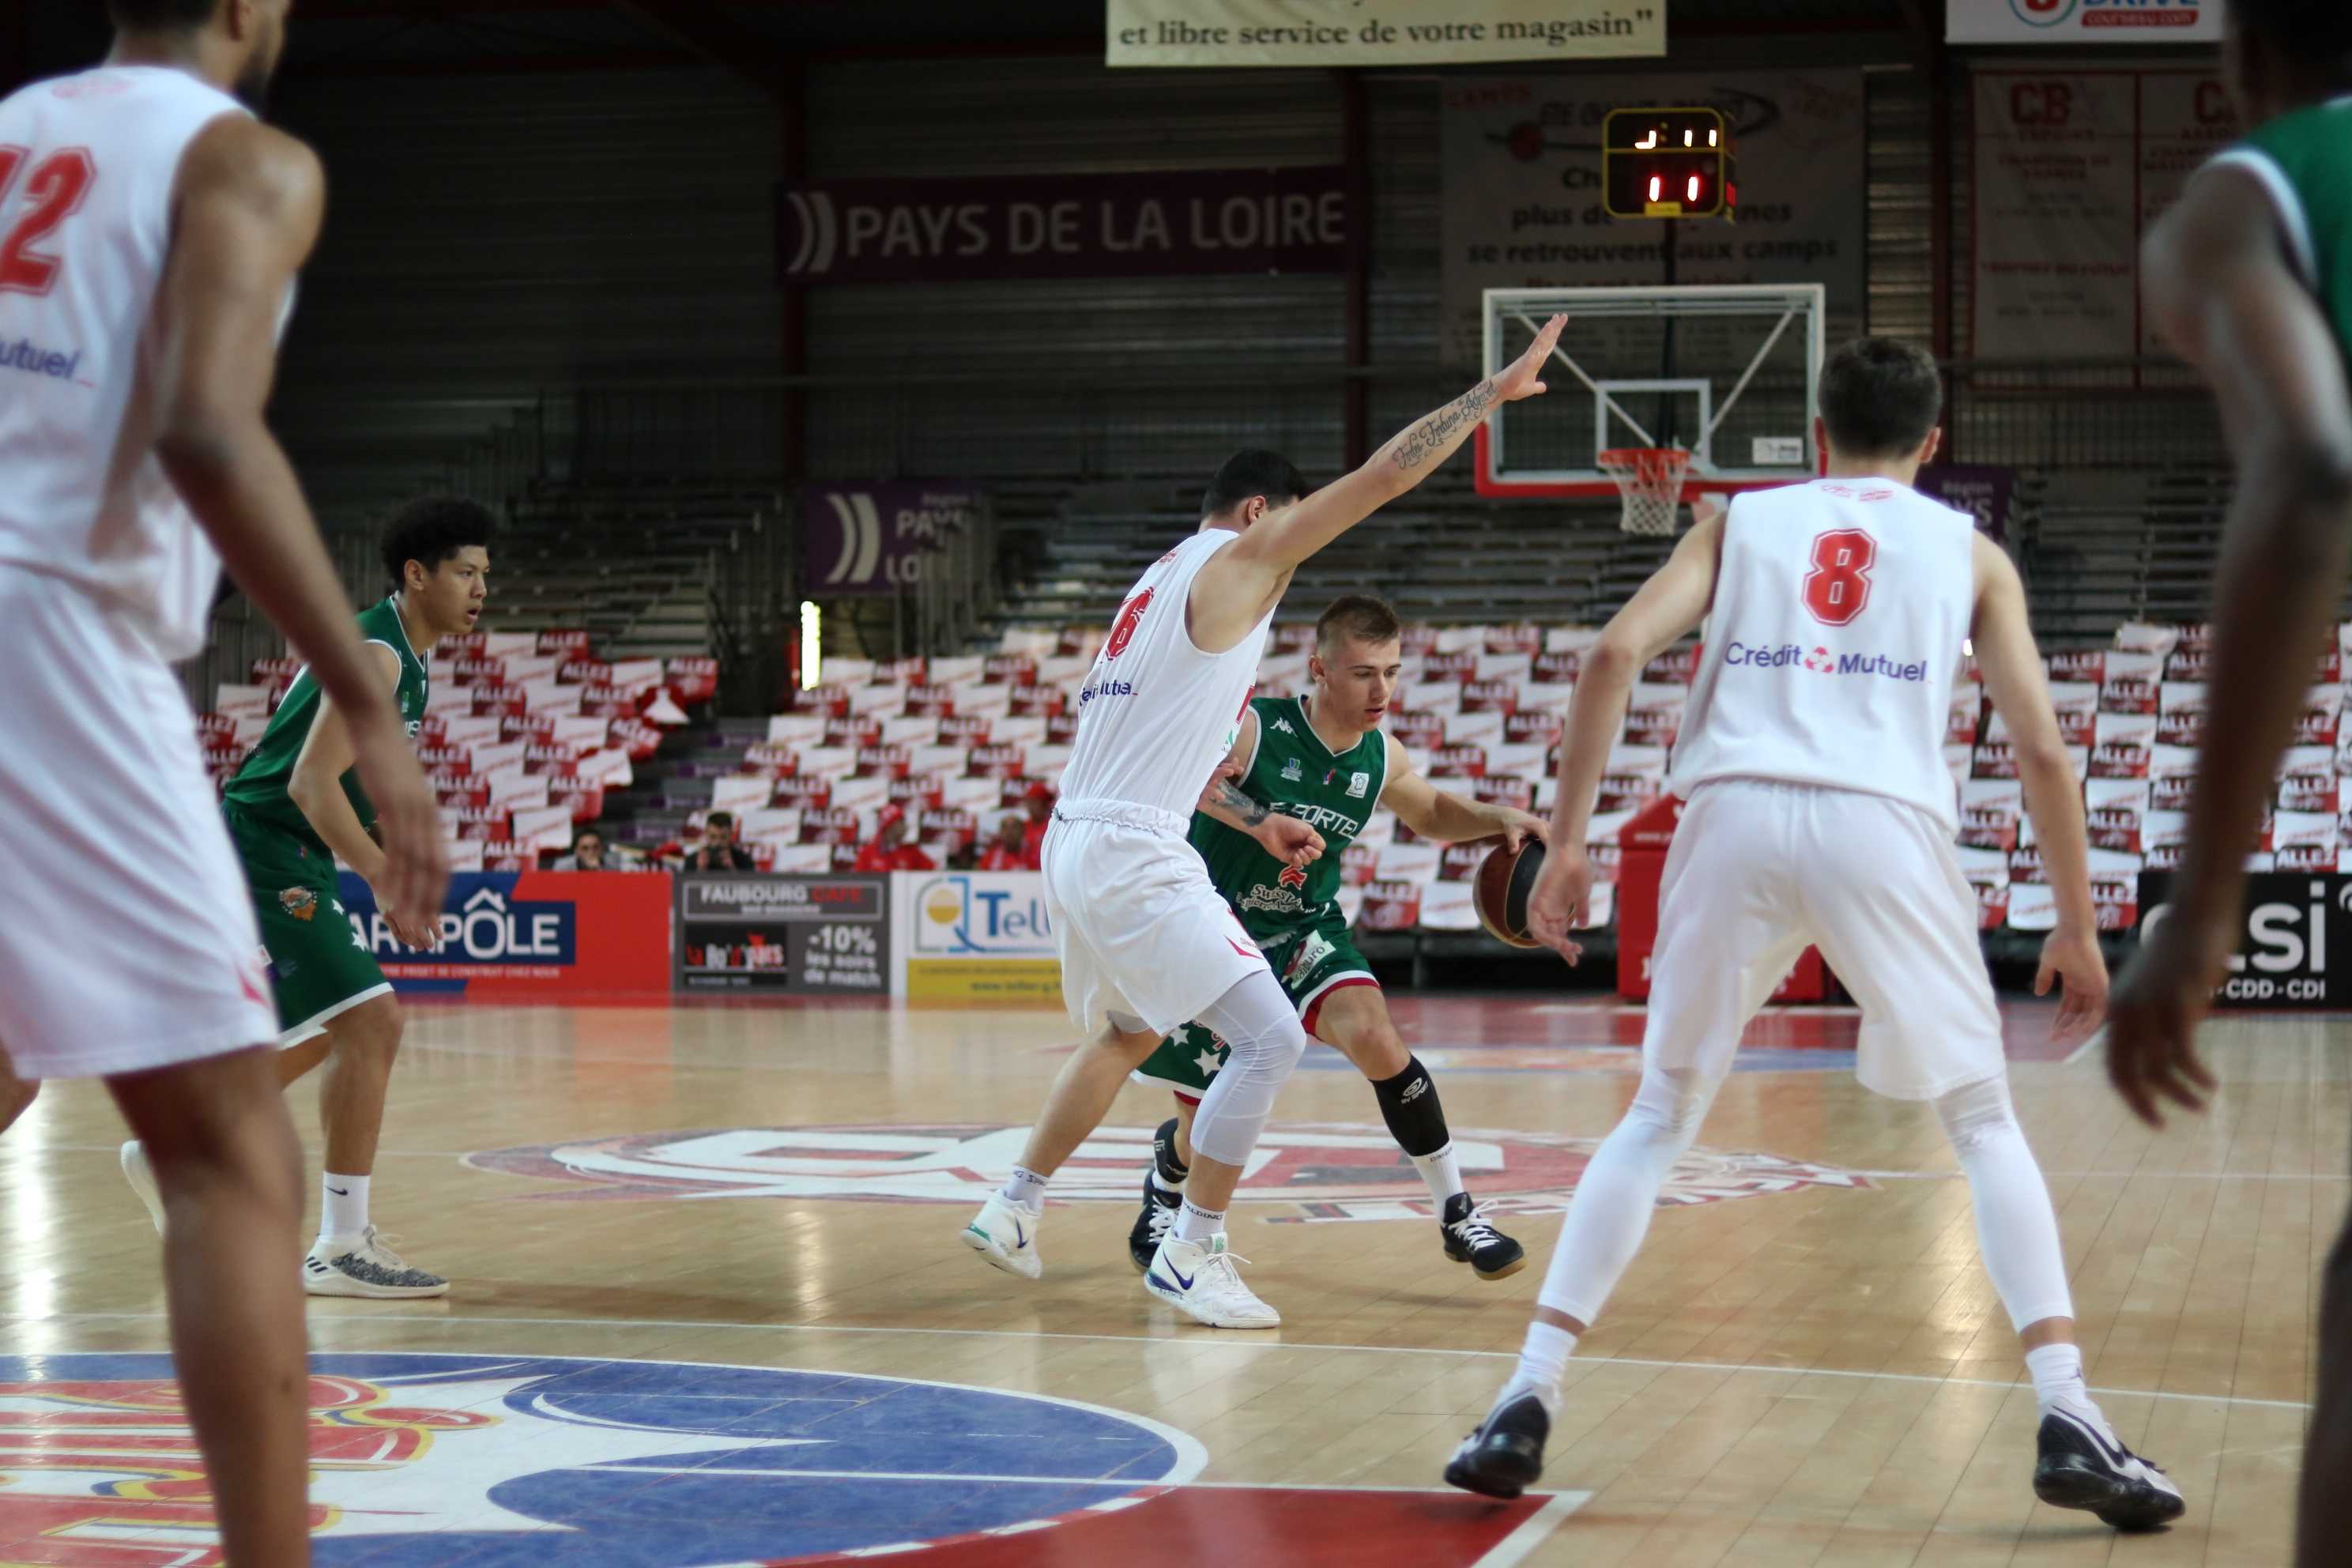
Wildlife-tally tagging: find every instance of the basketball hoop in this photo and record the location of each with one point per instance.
(1651, 480)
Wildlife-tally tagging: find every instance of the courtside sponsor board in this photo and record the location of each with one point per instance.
(974, 936)
(2287, 956)
(2104, 22)
(1402, 32)
(542, 935)
(817, 936)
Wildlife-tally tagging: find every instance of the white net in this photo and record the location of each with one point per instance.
(1651, 480)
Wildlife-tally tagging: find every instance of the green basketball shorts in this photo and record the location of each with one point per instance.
(1311, 961)
(318, 963)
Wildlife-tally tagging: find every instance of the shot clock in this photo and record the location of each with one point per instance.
(1667, 163)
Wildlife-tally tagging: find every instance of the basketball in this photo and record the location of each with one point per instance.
(1504, 879)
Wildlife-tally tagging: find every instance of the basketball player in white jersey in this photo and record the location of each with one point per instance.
(1820, 812)
(1147, 943)
(150, 230)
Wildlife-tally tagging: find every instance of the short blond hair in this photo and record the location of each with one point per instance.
(1355, 618)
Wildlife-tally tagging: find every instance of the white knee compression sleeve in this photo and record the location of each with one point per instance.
(1619, 1189)
(2017, 1229)
(1258, 1024)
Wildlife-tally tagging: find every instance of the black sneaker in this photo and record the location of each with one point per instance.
(1157, 1221)
(2081, 1467)
(1470, 1239)
(1504, 1456)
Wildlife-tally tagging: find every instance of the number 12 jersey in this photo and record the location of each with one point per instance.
(1841, 611)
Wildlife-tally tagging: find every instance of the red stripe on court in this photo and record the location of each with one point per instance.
(1245, 1527)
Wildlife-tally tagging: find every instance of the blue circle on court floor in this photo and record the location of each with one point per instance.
(423, 1461)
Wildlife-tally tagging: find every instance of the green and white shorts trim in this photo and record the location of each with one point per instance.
(1311, 961)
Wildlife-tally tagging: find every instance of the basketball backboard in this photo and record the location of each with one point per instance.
(1727, 372)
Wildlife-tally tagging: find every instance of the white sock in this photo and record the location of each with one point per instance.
(2057, 1373)
(1196, 1223)
(1161, 1183)
(1441, 1171)
(1543, 1362)
(1026, 1188)
(343, 1206)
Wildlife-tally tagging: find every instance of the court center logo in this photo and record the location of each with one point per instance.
(421, 1460)
(1332, 1171)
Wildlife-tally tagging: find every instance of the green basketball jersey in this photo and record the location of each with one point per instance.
(1295, 774)
(258, 790)
(2312, 148)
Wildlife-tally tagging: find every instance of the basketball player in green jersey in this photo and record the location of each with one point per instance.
(295, 806)
(2250, 279)
(1325, 760)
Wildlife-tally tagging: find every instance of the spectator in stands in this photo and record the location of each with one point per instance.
(587, 854)
(1039, 801)
(1008, 847)
(718, 851)
(888, 850)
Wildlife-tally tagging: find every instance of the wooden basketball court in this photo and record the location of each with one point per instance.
(1806, 1365)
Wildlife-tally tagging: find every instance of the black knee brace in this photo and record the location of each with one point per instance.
(1408, 1105)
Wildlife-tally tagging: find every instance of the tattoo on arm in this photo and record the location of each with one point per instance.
(1429, 437)
(1250, 810)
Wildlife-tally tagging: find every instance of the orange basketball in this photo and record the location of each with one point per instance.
(1504, 879)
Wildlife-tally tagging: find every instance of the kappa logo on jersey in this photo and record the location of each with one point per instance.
(1122, 630)
(1338, 1171)
(300, 902)
(420, 1460)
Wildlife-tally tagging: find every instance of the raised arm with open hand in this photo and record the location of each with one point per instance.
(1233, 592)
(249, 208)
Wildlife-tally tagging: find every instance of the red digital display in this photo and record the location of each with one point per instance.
(1666, 163)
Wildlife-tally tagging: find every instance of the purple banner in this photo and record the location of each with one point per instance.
(1984, 494)
(1062, 225)
(860, 539)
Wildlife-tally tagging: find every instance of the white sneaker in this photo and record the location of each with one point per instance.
(141, 1177)
(365, 1265)
(1199, 1278)
(1006, 1234)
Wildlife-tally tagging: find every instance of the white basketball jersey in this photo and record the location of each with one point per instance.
(88, 168)
(1840, 608)
(1156, 714)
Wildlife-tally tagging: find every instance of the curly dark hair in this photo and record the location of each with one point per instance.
(432, 528)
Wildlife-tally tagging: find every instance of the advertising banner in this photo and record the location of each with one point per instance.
(1399, 33)
(1522, 208)
(974, 936)
(2072, 168)
(1141, 225)
(817, 936)
(870, 539)
(2287, 954)
(1985, 494)
(2109, 22)
(531, 936)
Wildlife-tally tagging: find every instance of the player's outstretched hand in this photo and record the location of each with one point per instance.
(1290, 840)
(1524, 376)
(2152, 1026)
(408, 819)
(1558, 900)
(2074, 957)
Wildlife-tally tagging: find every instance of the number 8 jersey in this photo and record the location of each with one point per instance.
(89, 165)
(1841, 609)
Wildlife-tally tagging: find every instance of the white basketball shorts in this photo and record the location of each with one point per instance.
(1141, 929)
(127, 937)
(1759, 869)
